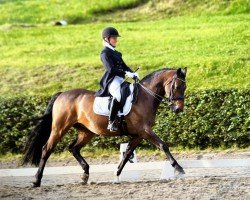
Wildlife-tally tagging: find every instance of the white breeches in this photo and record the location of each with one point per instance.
(115, 87)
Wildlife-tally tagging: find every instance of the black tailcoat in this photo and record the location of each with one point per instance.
(114, 66)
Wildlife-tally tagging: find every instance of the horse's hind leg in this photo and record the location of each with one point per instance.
(84, 137)
(45, 155)
(130, 149)
(46, 152)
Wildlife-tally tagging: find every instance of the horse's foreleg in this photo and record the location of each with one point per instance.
(83, 138)
(154, 139)
(129, 151)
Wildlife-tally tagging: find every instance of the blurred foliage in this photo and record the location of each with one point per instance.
(212, 118)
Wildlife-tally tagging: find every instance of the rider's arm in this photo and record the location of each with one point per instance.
(124, 66)
(127, 68)
(129, 72)
(109, 65)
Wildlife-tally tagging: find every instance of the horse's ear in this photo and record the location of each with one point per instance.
(184, 71)
(179, 72)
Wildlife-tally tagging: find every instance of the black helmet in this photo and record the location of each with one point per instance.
(109, 32)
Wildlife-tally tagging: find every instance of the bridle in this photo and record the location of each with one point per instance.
(171, 98)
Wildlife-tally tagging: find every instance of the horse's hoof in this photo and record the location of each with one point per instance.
(116, 183)
(85, 178)
(179, 172)
(36, 184)
(117, 180)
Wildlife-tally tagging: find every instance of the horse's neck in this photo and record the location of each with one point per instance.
(155, 87)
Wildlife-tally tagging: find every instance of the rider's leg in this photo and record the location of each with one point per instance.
(114, 108)
(115, 91)
(115, 87)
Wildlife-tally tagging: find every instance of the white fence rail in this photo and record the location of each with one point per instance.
(167, 169)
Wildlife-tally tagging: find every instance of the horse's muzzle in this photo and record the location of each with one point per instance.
(176, 109)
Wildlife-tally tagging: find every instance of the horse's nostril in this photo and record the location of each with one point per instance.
(177, 110)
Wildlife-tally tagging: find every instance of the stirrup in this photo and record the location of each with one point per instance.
(112, 126)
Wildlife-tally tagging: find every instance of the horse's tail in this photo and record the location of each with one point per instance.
(40, 135)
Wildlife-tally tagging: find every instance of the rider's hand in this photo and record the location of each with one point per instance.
(129, 74)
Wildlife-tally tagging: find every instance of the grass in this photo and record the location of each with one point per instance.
(47, 11)
(45, 59)
(210, 37)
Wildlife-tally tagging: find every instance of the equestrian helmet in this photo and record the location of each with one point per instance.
(110, 32)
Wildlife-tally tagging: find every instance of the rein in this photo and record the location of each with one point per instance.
(156, 96)
(171, 97)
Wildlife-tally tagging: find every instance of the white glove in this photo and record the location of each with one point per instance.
(129, 74)
(132, 75)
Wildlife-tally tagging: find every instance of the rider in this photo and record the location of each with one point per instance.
(115, 71)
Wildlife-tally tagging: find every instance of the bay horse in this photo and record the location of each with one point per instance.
(74, 108)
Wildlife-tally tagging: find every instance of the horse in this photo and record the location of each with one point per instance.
(74, 108)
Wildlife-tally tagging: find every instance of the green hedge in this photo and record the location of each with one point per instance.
(212, 118)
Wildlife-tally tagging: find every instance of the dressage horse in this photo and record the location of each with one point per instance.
(74, 108)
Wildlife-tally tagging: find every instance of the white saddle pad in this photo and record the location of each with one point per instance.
(100, 106)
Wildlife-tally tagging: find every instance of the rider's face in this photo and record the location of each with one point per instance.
(113, 41)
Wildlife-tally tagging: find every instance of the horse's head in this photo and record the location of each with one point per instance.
(175, 87)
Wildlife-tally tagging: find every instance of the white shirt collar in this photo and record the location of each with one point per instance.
(108, 45)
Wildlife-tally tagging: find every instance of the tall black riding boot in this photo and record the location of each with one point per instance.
(114, 108)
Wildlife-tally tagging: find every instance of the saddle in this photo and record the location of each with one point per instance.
(125, 93)
(129, 93)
